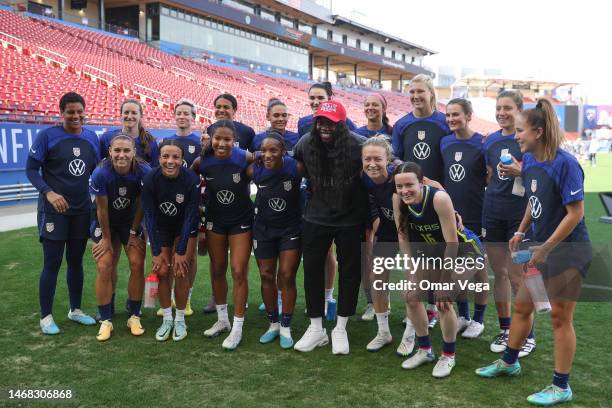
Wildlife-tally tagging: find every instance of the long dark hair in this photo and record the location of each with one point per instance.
(222, 123)
(326, 86)
(404, 216)
(143, 135)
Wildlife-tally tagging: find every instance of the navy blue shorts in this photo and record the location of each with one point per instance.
(496, 230)
(218, 226)
(269, 242)
(121, 232)
(61, 227)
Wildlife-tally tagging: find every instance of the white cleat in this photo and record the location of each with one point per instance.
(219, 327)
(462, 324)
(380, 341)
(473, 331)
(233, 340)
(528, 348)
(443, 367)
(500, 342)
(369, 313)
(313, 338)
(340, 344)
(418, 359)
(407, 344)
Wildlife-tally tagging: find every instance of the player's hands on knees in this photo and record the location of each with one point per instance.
(103, 246)
(159, 262)
(136, 242)
(180, 265)
(58, 201)
(515, 242)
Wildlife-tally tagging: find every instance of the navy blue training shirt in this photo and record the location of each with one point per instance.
(418, 140)
(465, 176)
(291, 138)
(244, 135)
(152, 157)
(170, 206)
(364, 131)
(277, 203)
(306, 123)
(499, 201)
(121, 190)
(381, 205)
(191, 147)
(66, 161)
(227, 195)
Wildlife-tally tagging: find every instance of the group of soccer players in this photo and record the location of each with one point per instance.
(321, 193)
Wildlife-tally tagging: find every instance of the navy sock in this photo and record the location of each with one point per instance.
(561, 380)
(531, 333)
(53, 251)
(479, 311)
(105, 311)
(504, 323)
(286, 319)
(464, 309)
(133, 307)
(424, 342)
(273, 316)
(510, 355)
(448, 349)
(75, 248)
(113, 304)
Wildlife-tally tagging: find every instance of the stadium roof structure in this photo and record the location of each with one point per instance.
(488, 82)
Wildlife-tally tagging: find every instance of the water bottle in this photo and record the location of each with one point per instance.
(506, 159)
(522, 257)
(537, 290)
(331, 309)
(280, 303)
(151, 284)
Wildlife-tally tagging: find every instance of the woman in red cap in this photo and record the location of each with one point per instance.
(336, 212)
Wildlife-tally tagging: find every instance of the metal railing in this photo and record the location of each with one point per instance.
(17, 192)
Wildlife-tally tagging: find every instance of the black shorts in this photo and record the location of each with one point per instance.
(269, 242)
(497, 230)
(223, 228)
(117, 232)
(61, 227)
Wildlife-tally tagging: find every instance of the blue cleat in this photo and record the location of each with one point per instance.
(286, 342)
(78, 316)
(270, 335)
(499, 368)
(550, 395)
(48, 326)
(262, 307)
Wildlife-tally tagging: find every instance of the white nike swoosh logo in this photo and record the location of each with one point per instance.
(575, 192)
(262, 186)
(294, 238)
(32, 151)
(209, 178)
(245, 226)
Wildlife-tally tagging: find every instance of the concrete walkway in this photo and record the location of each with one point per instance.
(17, 217)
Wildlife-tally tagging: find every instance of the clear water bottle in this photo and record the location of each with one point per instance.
(150, 295)
(522, 257)
(280, 303)
(506, 159)
(537, 290)
(331, 309)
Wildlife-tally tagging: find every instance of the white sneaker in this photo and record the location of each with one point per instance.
(219, 327)
(418, 359)
(233, 340)
(500, 342)
(443, 367)
(340, 344)
(528, 348)
(380, 341)
(407, 344)
(474, 330)
(462, 324)
(369, 313)
(313, 338)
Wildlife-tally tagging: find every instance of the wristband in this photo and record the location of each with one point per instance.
(521, 234)
(133, 233)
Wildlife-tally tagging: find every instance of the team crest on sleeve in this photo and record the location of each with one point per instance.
(421, 134)
(122, 191)
(76, 151)
(458, 156)
(180, 198)
(534, 185)
(287, 185)
(50, 226)
(236, 177)
(191, 149)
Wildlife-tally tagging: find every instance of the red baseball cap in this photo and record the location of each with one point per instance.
(331, 110)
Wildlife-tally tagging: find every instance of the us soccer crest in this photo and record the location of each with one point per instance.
(191, 149)
(504, 151)
(76, 151)
(421, 134)
(458, 156)
(50, 226)
(287, 185)
(534, 185)
(180, 198)
(122, 191)
(236, 177)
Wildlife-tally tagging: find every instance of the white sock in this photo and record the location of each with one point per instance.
(317, 322)
(274, 326)
(238, 322)
(189, 295)
(167, 313)
(329, 294)
(383, 322)
(341, 324)
(172, 296)
(285, 331)
(180, 315)
(222, 313)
